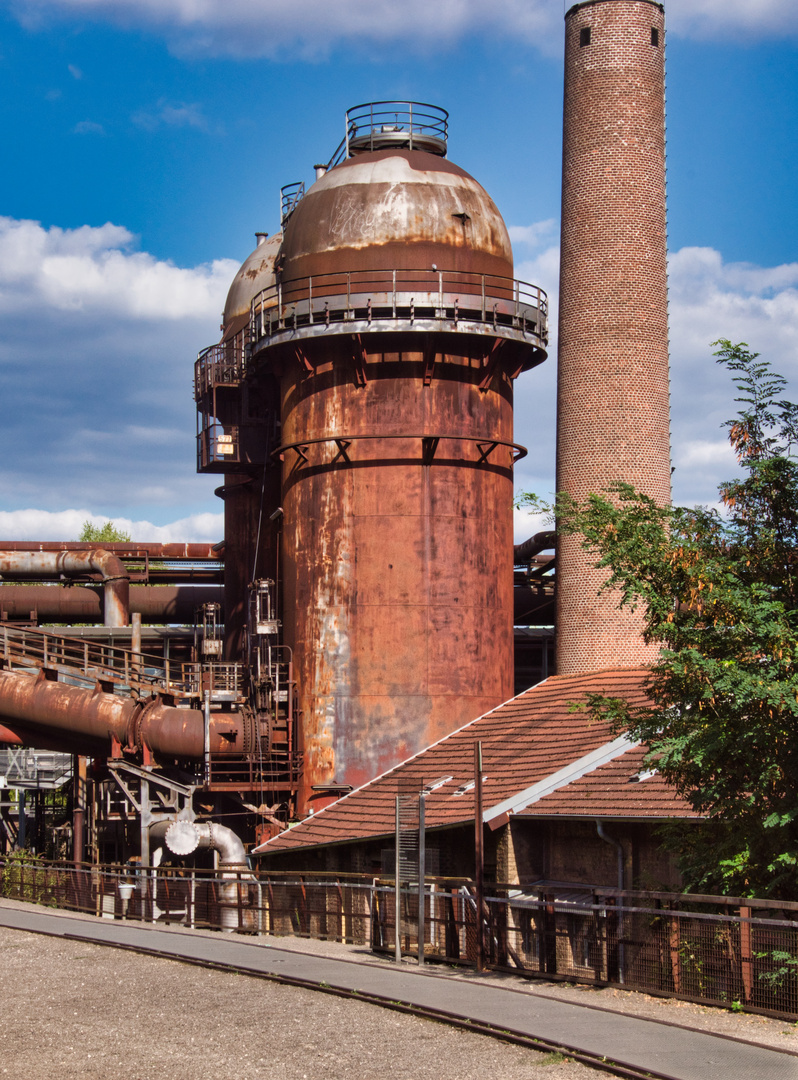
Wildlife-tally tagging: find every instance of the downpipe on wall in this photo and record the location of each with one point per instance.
(619, 849)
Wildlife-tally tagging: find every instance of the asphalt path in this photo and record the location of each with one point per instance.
(664, 1050)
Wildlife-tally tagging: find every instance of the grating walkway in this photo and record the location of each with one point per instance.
(639, 1045)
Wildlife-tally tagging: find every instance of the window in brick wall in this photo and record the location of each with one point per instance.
(584, 36)
(655, 37)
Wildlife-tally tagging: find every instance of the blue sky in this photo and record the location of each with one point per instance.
(147, 140)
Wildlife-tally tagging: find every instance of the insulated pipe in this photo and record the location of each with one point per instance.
(40, 708)
(116, 582)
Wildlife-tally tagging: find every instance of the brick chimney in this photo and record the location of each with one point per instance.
(613, 400)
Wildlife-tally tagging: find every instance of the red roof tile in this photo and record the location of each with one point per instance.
(524, 742)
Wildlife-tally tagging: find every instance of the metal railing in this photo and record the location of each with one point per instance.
(220, 365)
(376, 125)
(290, 197)
(217, 446)
(699, 949)
(23, 767)
(398, 299)
(83, 662)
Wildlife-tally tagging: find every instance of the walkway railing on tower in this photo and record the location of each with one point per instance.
(356, 301)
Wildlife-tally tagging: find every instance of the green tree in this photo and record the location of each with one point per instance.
(103, 534)
(718, 592)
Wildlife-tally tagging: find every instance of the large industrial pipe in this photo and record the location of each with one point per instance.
(38, 708)
(542, 541)
(116, 582)
(184, 837)
(83, 604)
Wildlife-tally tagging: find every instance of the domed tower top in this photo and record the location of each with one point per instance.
(395, 201)
(255, 274)
(394, 236)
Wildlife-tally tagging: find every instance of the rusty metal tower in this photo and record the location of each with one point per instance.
(385, 343)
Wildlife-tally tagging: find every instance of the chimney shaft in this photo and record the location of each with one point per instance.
(613, 402)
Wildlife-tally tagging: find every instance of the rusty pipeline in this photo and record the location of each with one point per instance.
(73, 564)
(40, 708)
(83, 604)
(542, 541)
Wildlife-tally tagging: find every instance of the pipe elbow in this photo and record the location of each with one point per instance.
(227, 843)
(107, 564)
(116, 587)
(541, 541)
(184, 837)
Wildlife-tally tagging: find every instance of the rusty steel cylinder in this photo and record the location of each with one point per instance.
(397, 574)
(397, 461)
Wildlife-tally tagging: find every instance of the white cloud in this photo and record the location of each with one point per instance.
(532, 235)
(88, 127)
(526, 524)
(709, 299)
(313, 27)
(536, 391)
(98, 341)
(310, 27)
(96, 360)
(74, 71)
(167, 114)
(94, 269)
(731, 18)
(699, 453)
(68, 525)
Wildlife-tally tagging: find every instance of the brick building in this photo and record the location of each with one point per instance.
(552, 779)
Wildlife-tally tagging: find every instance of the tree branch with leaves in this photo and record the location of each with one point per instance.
(718, 592)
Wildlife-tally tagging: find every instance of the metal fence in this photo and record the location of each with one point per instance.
(741, 954)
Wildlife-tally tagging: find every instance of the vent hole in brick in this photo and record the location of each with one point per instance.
(655, 37)
(584, 36)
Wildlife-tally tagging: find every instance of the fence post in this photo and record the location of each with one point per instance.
(479, 855)
(745, 951)
(676, 958)
(548, 953)
(422, 874)
(397, 901)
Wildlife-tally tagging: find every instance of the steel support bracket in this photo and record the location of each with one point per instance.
(359, 357)
(429, 444)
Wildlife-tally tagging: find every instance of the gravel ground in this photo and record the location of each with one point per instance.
(86, 1012)
(100, 1011)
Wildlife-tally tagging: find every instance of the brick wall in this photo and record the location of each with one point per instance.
(613, 406)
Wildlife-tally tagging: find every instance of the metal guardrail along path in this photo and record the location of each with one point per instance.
(622, 1045)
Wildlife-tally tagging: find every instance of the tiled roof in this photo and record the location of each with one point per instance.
(525, 742)
(623, 788)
